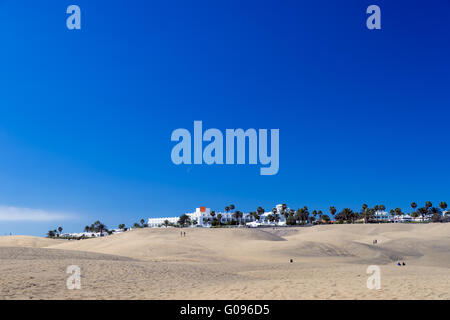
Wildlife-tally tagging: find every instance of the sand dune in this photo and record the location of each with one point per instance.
(330, 262)
(27, 241)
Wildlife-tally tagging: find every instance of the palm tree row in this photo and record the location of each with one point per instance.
(54, 233)
(300, 216)
(142, 224)
(303, 215)
(367, 214)
(96, 227)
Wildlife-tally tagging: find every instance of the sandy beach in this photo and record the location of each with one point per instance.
(329, 262)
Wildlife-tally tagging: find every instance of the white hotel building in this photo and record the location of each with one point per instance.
(203, 217)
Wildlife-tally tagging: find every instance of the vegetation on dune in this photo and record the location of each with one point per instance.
(97, 227)
(184, 220)
(301, 216)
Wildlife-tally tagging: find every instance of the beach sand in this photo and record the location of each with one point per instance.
(329, 262)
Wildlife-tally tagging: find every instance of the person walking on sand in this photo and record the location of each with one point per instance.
(184, 234)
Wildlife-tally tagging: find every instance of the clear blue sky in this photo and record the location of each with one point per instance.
(86, 116)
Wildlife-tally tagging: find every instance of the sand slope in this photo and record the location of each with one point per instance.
(27, 241)
(330, 262)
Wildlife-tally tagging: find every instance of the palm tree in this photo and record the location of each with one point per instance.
(121, 226)
(436, 214)
(332, 211)
(376, 208)
(414, 205)
(325, 218)
(97, 226)
(238, 215)
(101, 228)
(382, 207)
(260, 211)
(365, 212)
(290, 220)
(60, 229)
(303, 214)
(235, 216)
(428, 205)
(275, 215)
(166, 223)
(86, 229)
(284, 210)
(398, 211)
(219, 217)
(346, 215)
(415, 214)
(423, 212)
(443, 205)
(50, 234)
(136, 225)
(392, 212)
(212, 213)
(227, 209)
(232, 207)
(298, 215)
(184, 219)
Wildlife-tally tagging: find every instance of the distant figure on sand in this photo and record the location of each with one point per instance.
(375, 241)
(184, 234)
(404, 263)
(291, 260)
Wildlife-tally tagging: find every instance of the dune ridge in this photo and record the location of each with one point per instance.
(330, 262)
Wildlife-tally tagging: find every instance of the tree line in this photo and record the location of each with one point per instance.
(304, 215)
(96, 227)
(301, 216)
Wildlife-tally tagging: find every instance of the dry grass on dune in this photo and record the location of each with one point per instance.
(330, 262)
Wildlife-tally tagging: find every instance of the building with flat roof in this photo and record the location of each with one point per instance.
(202, 217)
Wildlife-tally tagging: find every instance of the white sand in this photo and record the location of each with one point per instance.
(330, 262)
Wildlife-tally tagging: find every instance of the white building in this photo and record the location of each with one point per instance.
(156, 222)
(385, 216)
(83, 234)
(382, 215)
(203, 218)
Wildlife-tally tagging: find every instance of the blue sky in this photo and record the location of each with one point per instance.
(86, 116)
